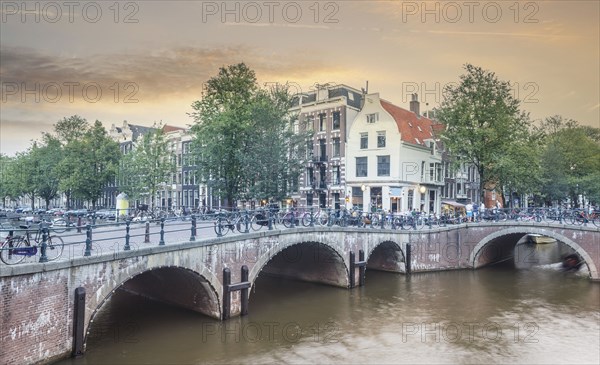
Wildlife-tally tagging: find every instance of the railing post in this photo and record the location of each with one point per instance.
(162, 232)
(79, 224)
(94, 218)
(429, 222)
(43, 257)
(246, 222)
(147, 232)
(312, 216)
(329, 219)
(219, 227)
(127, 236)
(244, 292)
(270, 212)
(293, 212)
(88, 241)
(382, 222)
(193, 233)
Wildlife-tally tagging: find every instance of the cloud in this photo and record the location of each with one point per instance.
(158, 75)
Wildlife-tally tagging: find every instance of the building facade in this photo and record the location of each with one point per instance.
(328, 111)
(394, 161)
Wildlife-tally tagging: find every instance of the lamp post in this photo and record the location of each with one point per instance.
(364, 188)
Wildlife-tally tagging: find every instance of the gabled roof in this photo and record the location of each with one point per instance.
(413, 129)
(170, 128)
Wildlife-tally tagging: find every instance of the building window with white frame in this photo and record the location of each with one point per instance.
(364, 141)
(383, 165)
(336, 120)
(372, 118)
(381, 139)
(336, 147)
(361, 167)
(322, 124)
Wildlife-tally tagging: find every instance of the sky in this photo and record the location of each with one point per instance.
(146, 61)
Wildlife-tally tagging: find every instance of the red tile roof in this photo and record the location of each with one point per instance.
(169, 128)
(413, 129)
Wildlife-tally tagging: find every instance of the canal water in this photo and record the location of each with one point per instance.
(525, 312)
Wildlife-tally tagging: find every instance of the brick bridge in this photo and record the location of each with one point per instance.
(46, 309)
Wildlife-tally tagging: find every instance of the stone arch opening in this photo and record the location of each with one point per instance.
(305, 261)
(500, 246)
(171, 285)
(387, 256)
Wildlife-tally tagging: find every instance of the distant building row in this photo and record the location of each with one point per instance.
(365, 152)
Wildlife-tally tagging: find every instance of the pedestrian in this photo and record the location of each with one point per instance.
(469, 208)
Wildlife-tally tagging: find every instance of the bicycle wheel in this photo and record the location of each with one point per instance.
(221, 226)
(54, 248)
(419, 222)
(306, 219)
(595, 218)
(375, 222)
(258, 221)
(323, 219)
(6, 251)
(59, 225)
(287, 221)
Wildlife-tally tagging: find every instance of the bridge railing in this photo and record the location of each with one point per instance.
(29, 242)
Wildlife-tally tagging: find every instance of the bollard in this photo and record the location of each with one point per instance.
(127, 223)
(352, 268)
(226, 293)
(162, 232)
(147, 233)
(88, 241)
(193, 235)
(43, 257)
(78, 322)
(408, 258)
(361, 268)
(244, 292)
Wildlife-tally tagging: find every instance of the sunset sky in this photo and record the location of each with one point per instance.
(150, 59)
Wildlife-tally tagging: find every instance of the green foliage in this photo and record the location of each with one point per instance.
(148, 167)
(90, 163)
(570, 160)
(485, 127)
(244, 138)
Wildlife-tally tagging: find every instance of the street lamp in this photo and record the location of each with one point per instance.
(422, 189)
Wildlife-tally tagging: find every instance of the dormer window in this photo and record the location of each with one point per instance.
(372, 118)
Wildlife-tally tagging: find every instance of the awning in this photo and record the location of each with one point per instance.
(395, 191)
(453, 204)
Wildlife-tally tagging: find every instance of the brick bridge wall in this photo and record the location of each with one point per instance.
(36, 300)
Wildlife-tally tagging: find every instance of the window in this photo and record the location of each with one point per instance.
(372, 118)
(337, 175)
(310, 123)
(322, 125)
(309, 149)
(309, 176)
(364, 141)
(336, 120)
(361, 167)
(383, 165)
(336, 147)
(411, 195)
(381, 139)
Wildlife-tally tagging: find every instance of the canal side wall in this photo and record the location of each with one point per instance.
(37, 300)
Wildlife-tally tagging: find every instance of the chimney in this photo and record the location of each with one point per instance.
(414, 104)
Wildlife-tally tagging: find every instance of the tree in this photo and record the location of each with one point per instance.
(149, 166)
(7, 186)
(484, 125)
(48, 158)
(70, 132)
(93, 161)
(570, 163)
(243, 139)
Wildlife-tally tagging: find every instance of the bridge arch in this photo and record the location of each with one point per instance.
(174, 278)
(321, 252)
(386, 255)
(478, 249)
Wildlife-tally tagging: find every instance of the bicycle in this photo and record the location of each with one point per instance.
(14, 249)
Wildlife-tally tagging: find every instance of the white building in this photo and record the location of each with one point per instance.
(393, 160)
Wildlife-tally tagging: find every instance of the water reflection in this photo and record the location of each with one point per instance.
(497, 314)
